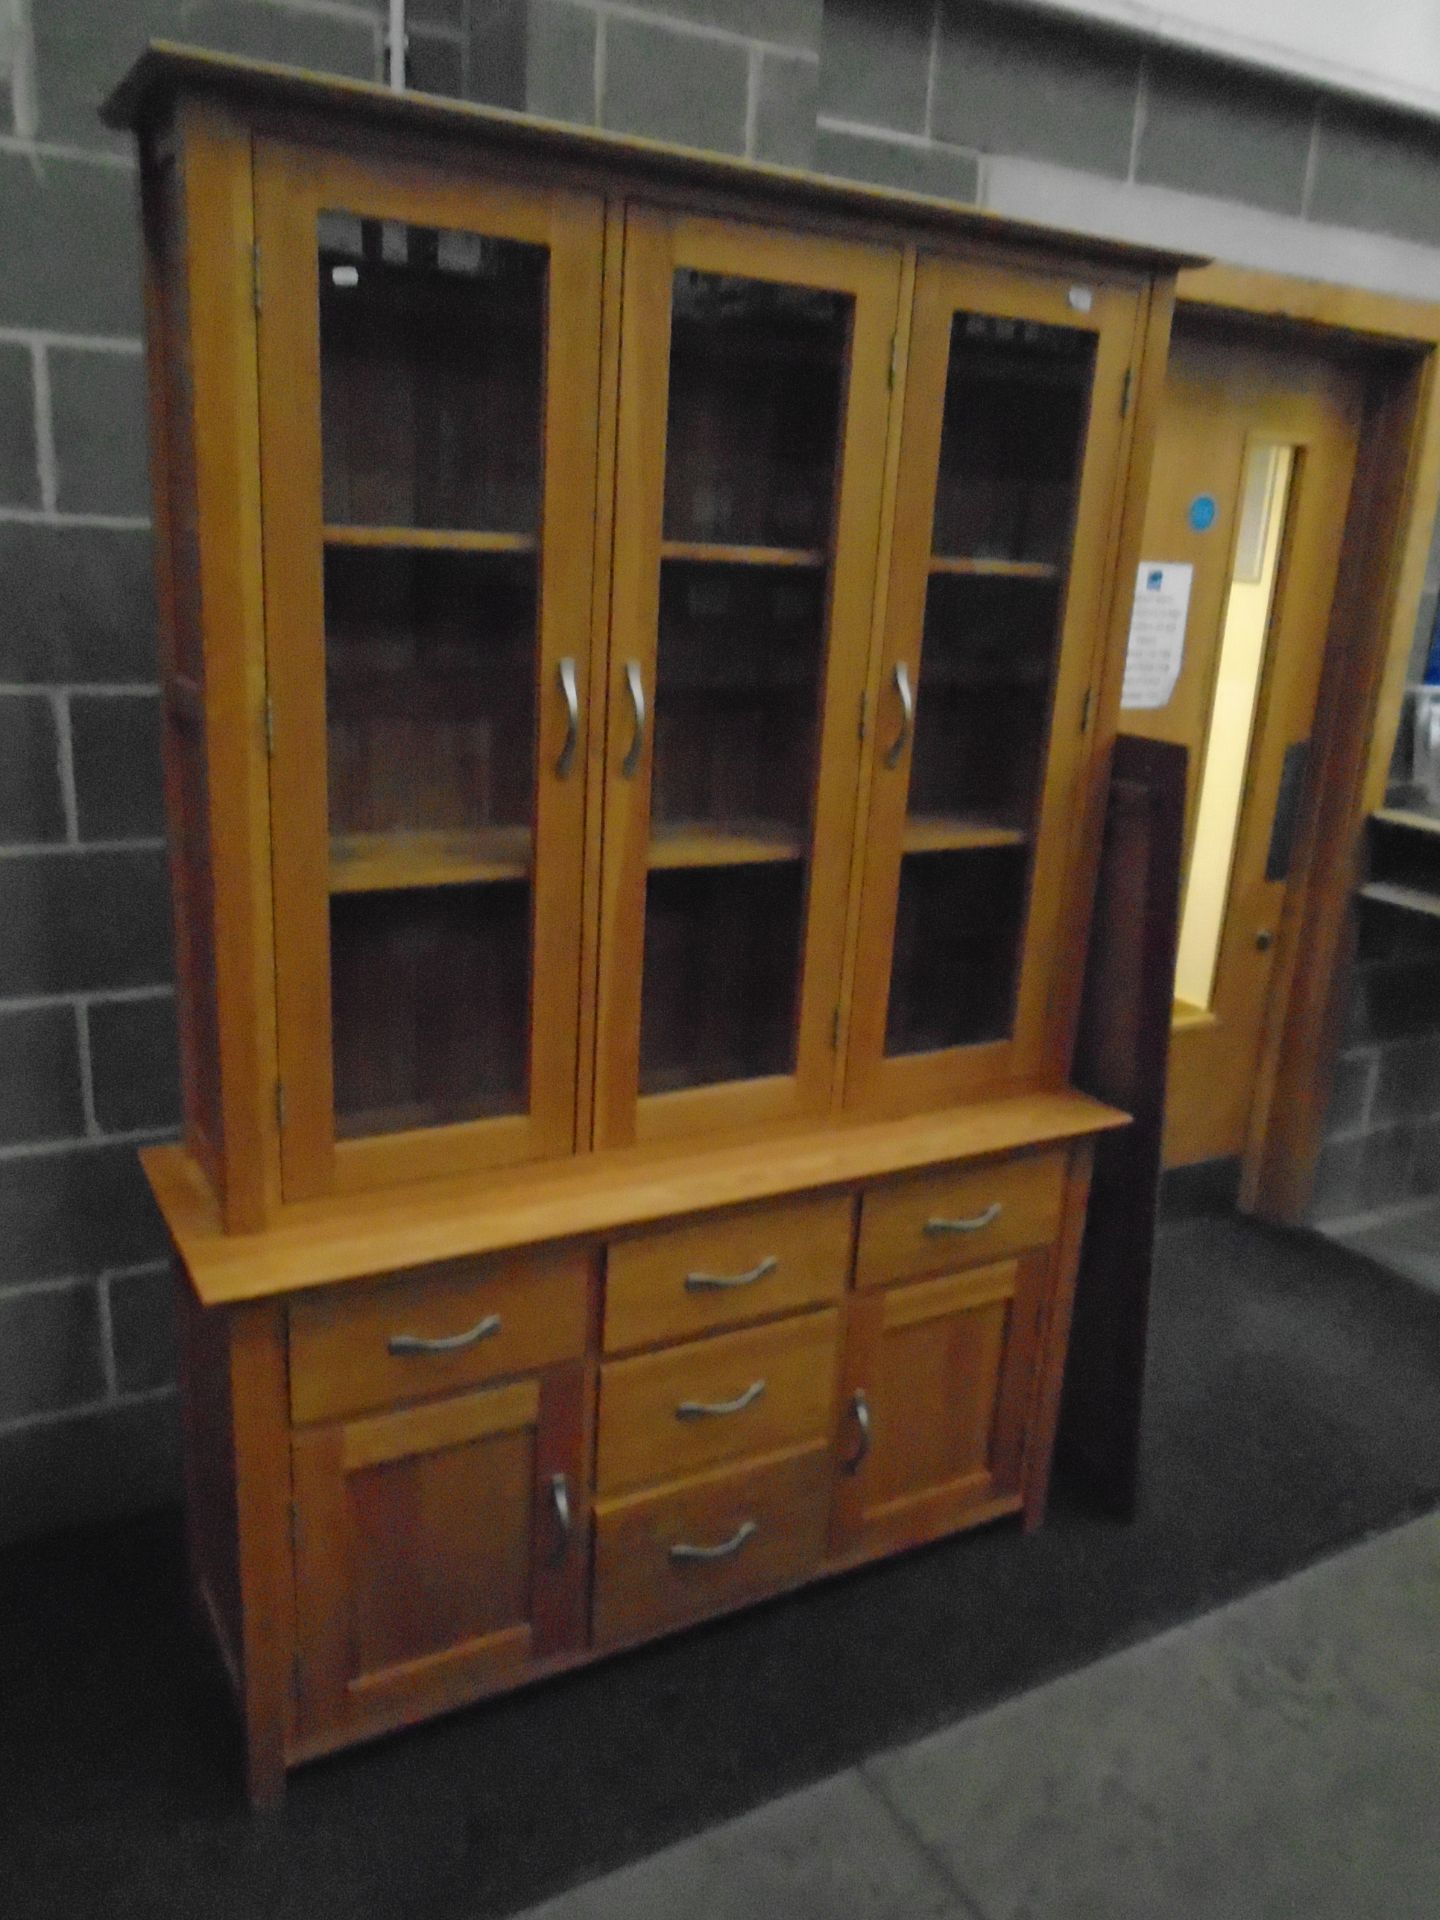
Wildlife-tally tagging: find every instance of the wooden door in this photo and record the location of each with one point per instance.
(1251, 489)
(440, 1550)
(429, 360)
(999, 587)
(753, 403)
(938, 1379)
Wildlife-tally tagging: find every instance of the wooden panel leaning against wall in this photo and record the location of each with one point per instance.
(631, 1112)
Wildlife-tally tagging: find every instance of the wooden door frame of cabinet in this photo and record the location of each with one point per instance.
(1382, 569)
(656, 244)
(292, 186)
(1081, 726)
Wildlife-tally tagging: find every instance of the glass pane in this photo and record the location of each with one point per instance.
(756, 383)
(756, 373)
(1232, 719)
(1016, 403)
(720, 977)
(431, 350)
(431, 354)
(428, 996)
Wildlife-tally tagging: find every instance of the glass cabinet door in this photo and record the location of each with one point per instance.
(996, 603)
(751, 434)
(429, 366)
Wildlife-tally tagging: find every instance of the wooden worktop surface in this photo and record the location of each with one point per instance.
(321, 1241)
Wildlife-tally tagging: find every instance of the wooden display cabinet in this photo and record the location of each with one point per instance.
(639, 650)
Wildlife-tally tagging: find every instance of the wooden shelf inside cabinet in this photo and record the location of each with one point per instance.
(955, 563)
(711, 553)
(385, 862)
(429, 540)
(944, 833)
(704, 846)
(1389, 893)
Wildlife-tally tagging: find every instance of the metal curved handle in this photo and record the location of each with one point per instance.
(708, 1409)
(570, 689)
(723, 1282)
(635, 687)
(907, 715)
(450, 1343)
(747, 1529)
(860, 1409)
(560, 1499)
(938, 1224)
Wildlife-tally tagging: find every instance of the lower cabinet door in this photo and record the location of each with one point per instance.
(440, 1549)
(938, 1384)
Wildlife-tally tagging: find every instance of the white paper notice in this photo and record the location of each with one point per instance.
(1157, 633)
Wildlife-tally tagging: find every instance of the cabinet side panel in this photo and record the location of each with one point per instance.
(220, 341)
(211, 1516)
(177, 571)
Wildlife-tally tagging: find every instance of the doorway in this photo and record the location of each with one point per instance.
(1254, 463)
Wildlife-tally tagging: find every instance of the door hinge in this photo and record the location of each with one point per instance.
(1085, 710)
(864, 711)
(270, 727)
(835, 1031)
(1125, 393)
(255, 274)
(280, 1104)
(894, 359)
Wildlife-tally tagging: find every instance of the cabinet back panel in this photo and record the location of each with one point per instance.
(430, 376)
(430, 1002)
(429, 690)
(721, 973)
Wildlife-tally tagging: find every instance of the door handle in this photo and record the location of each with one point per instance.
(975, 1223)
(635, 687)
(907, 715)
(860, 1413)
(710, 1409)
(723, 1282)
(560, 1500)
(448, 1343)
(747, 1529)
(571, 692)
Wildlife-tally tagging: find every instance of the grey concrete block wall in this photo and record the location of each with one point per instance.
(970, 99)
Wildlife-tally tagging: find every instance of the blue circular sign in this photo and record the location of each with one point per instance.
(1202, 512)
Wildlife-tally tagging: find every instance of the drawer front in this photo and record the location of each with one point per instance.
(959, 1217)
(667, 1414)
(435, 1329)
(723, 1268)
(663, 1559)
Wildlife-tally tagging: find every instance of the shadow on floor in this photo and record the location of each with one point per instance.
(1294, 1405)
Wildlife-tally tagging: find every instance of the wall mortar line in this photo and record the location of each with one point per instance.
(46, 465)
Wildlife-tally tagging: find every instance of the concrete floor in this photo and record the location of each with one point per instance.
(1278, 1759)
(1408, 1244)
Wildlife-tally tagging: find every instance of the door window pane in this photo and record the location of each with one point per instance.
(1016, 404)
(1248, 606)
(756, 383)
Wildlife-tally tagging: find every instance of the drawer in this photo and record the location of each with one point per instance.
(722, 1268)
(672, 1413)
(663, 1559)
(960, 1216)
(434, 1329)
